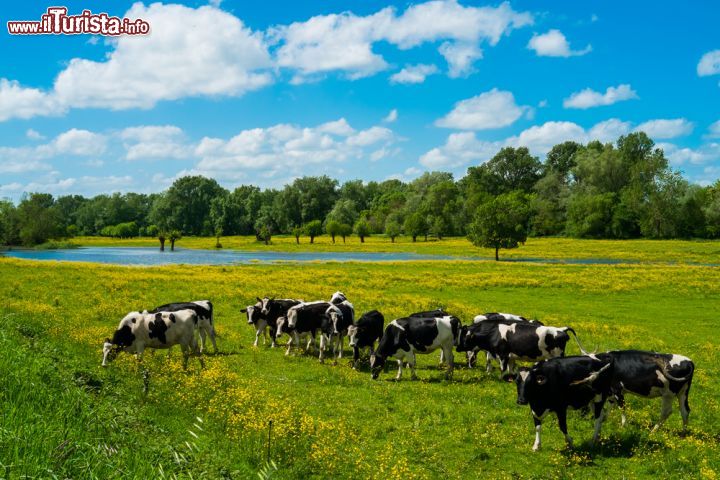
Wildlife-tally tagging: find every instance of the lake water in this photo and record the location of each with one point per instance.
(153, 256)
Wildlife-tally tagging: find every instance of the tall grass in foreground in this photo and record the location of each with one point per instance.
(64, 416)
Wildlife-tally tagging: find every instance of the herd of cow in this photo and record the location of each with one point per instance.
(553, 384)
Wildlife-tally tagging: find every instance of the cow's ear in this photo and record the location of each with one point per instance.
(541, 379)
(258, 299)
(172, 317)
(243, 310)
(107, 340)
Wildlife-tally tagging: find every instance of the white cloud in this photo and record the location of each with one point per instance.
(540, 139)
(554, 44)
(34, 134)
(154, 141)
(391, 117)
(413, 74)
(460, 57)
(79, 142)
(492, 109)
(19, 165)
(708, 152)
(714, 130)
(609, 130)
(289, 150)
(666, 128)
(344, 42)
(589, 98)
(17, 101)
(460, 149)
(709, 64)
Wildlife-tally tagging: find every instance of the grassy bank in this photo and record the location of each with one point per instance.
(700, 251)
(65, 416)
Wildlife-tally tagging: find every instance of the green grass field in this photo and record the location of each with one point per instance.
(63, 416)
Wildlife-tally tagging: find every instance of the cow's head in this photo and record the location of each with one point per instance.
(352, 334)
(281, 326)
(265, 305)
(291, 317)
(529, 381)
(110, 351)
(253, 312)
(122, 338)
(463, 337)
(336, 316)
(377, 362)
(338, 297)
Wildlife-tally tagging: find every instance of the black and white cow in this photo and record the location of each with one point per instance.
(338, 297)
(652, 375)
(404, 337)
(509, 317)
(365, 332)
(509, 341)
(338, 318)
(264, 315)
(141, 330)
(559, 383)
(206, 318)
(303, 319)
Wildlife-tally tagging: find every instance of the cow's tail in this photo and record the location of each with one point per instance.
(664, 368)
(577, 340)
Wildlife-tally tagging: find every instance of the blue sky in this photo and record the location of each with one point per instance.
(256, 93)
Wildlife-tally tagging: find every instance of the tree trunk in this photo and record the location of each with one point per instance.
(414, 238)
(362, 239)
(426, 237)
(297, 240)
(333, 238)
(162, 243)
(312, 239)
(172, 245)
(267, 241)
(496, 254)
(392, 239)
(343, 238)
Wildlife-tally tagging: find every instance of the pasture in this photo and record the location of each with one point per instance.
(63, 416)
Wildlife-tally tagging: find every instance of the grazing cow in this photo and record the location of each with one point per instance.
(652, 375)
(338, 297)
(405, 336)
(204, 310)
(304, 318)
(364, 333)
(472, 354)
(556, 384)
(138, 331)
(265, 313)
(509, 341)
(338, 318)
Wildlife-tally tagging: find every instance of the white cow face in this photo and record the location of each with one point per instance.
(109, 353)
(338, 297)
(265, 305)
(352, 335)
(280, 326)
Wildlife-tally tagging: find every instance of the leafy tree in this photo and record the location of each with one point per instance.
(174, 236)
(437, 226)
(344, 211)
(38, 219)
(392, 228)
(345, 231)
(333, 228)
(501, 223)
(549, 205)
(512, 169)
(265, 234)
(151, 231)
(188, 203)
(297, 231)
(9, 223)
(362, 229)
(561, 159)
(313, 229)
(415, 224)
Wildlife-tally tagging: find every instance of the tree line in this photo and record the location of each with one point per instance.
(624, 189)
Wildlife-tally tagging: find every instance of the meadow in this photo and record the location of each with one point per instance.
(63, 416)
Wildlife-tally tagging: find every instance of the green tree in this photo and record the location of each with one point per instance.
(362, 229)
(392, 228)
(344, 211)
(265, 234)
(561, 158)
(313, 229)
(415, 224)
(174, 236)
(188, 203)
(9, 224)
(297, 232)
(333, 228)
(38, 219)
(345, 231)
(501, 223)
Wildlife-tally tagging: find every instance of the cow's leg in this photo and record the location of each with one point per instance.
(186, 354)
(562, 423)
(257, 336)
(203, 333)
(411, 364)
(356, 357)
(665, 411)
(504, 366)
(293, 338)
(450, 360)
(488, 362)
(684, 406)
(400, 365)
(538, 428)
(323, 344)
(342, 345)
(442, 357)
(600, 413)
(620, 399)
